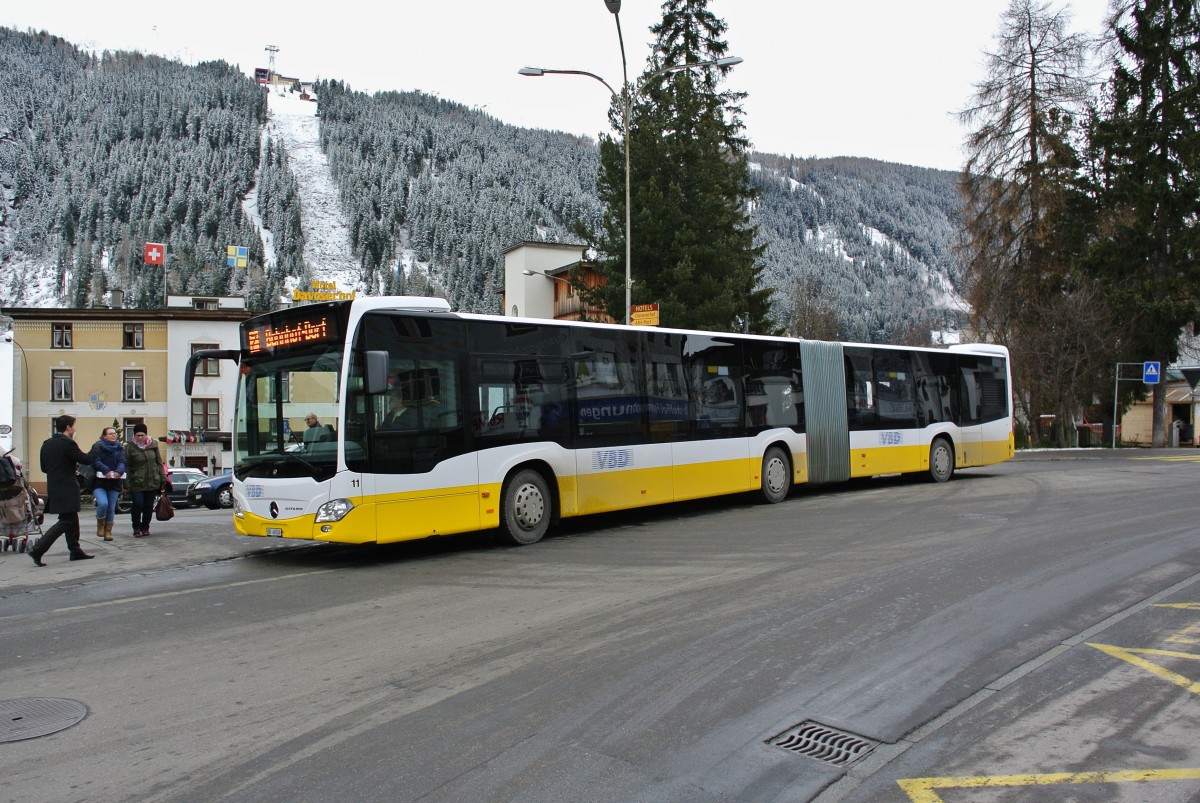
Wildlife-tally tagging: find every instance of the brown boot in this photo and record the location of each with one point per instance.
(100, 528)
(108, 525)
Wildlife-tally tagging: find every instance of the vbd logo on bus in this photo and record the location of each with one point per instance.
(254, 491)
(612, 458)
(891, 438)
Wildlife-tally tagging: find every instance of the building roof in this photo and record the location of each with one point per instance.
(541, 244)
(123, 314)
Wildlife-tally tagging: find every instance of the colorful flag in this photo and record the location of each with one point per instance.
(156, 254)
(237, 256)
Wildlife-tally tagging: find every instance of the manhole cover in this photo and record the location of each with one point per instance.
(37, 716)
(824, 743)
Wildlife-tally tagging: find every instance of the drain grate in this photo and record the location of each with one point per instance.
(37, 716)
(830, 745)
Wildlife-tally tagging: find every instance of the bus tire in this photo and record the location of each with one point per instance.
(776, 475)
(941, 460)
(527, 507)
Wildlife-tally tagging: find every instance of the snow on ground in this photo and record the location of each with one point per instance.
(326, 232)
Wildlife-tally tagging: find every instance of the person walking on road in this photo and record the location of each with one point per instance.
(61, 457)
(108, 459)
(145, 475)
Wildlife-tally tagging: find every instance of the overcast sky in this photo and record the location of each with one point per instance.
(875, 78)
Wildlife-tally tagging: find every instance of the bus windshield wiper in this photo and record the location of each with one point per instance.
(249, 463)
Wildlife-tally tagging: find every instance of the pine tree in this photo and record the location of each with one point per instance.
(1149, 148)
(692, 242)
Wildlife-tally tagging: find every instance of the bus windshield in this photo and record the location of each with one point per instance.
(287, 414)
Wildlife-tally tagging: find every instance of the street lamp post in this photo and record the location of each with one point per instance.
(546, 275)
(614, 6)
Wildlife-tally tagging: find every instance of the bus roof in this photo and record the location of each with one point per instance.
(364, 304)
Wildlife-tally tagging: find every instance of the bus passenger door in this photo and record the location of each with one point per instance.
(986, 415)
(970, 446)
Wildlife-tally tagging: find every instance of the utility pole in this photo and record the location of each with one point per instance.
(272, 50)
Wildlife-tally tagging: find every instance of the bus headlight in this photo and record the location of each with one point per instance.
(239, 512)
(334, 510)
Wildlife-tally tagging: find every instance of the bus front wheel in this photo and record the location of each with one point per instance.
(525, 517)
(941, 460)
(776, 475)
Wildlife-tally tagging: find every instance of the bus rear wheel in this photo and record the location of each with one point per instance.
(941, 460)
(776, 475)
(525, 515)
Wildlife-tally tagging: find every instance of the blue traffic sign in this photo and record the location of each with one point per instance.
(1150, 372)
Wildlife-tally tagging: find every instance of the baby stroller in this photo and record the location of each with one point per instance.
(20, 507)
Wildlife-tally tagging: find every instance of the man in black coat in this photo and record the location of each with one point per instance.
(60, 458)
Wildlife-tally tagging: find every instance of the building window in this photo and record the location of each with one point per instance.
(281, 388)
(205, 303)
(207, 367)
(133, 386)
(62, 388)
(206, 414)
(61, 336)
(135, 336)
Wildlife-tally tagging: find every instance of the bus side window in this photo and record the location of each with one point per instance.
(896, 389)
(608, 382)
(937, 387)
(714, 371)
(774, 388)
(520, 398)
(860, 389)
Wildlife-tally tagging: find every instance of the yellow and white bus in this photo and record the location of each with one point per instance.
(433, 422)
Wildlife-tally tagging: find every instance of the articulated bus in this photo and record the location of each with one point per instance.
(433, 422)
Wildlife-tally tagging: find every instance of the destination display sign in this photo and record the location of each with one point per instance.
(283, 335)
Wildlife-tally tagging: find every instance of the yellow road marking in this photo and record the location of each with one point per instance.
(166, 594)
(1187, 606)
(1172, 458)
(920, 790)
(1131, 656)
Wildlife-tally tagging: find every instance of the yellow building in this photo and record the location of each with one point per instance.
(1183, 412)
(119, 367)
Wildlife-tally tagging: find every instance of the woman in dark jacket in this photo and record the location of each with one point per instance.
(145, 476)
(108, 459)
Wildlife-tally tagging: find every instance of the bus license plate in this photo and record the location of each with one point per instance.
(275, 532)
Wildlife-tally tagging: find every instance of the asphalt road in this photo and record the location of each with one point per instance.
(1029, 631)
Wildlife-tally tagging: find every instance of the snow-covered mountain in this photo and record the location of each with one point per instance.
(395, 192)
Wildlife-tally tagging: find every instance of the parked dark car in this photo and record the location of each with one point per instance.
(215, 492)
(182, 480)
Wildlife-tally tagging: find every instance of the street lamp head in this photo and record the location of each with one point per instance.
(614, 6)
(729, 61)
(534, 71)
(527, 272)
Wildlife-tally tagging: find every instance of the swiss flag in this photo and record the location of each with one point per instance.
(156, 254)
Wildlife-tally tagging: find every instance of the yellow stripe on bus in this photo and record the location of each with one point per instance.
(389, 517)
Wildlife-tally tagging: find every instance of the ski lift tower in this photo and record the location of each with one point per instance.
(271, 50)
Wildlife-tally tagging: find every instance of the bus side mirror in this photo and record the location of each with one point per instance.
(189, 370)
(376, 374)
